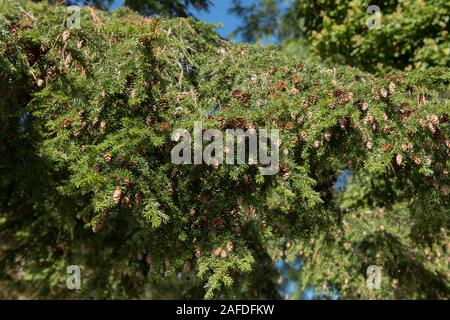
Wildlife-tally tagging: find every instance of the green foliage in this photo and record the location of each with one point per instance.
(413, 34)
(87, 179)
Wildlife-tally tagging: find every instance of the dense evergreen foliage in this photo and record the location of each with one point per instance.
(86, 175)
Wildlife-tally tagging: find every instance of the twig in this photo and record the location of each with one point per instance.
(28, 14)
(95, 17)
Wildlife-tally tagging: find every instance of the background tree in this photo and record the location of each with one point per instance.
(414, 34)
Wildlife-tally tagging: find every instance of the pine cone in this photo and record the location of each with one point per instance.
(164, 126)
(280, 85)
(68, 61)
(290, 125)
(66, 35)
(304, 136)
(434, 119)
(52, 71)
(107, 157)
(117, 196)
(342, 123)
(248, 124)
(223, 253)
(40, 83)
(271, 70)
(416, 159)
(431, 128)
(215, 164)
(346, 97)
(218, 223)
(84, 124)
(406, 146)
(294, 140)
(138, 199)
(132, 166)
(294, 91)
(126, 202)
(95, 121)
(222, 123)
(338, 92)
(66, 123)
(447, 144)
(148, 120)
(96, 227)
(388, 129)
(296, 79)
(216, 252)
(313, 98)
(386, 146)
(392, 87)
(187, 266)
(31, 57)
(444, 190)
(286, 175)
(369, 119)
(80, 43)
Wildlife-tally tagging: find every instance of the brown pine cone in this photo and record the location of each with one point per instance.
(290, 125)
(66, 123)
(313, 98)
(117, 196)
(66, 35)
(107, 157)
(304, 136)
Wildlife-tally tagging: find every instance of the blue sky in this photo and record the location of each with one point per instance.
(218, 13)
